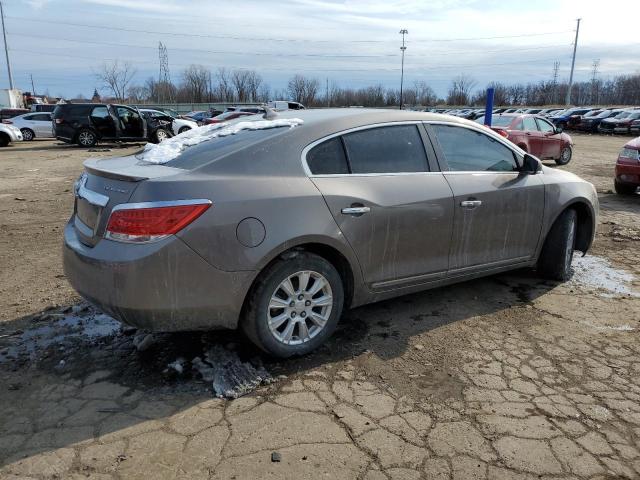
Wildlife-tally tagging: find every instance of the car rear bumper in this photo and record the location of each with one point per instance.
(628, 172)
(163, 286)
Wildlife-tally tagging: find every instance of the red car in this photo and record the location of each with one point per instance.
(535, 135)
(226, 116)
(628, 168)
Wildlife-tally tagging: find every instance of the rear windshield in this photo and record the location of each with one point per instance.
(497, 121)
(211, 150)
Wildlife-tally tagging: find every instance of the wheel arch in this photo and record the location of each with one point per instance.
(586, 223)
(346, 269)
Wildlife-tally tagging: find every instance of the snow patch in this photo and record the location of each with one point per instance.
(170, 149)
(598, 274)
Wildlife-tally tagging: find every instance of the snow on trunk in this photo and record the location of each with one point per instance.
(172, 147)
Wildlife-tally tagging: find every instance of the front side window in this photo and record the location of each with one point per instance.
(545, 126)
(392, 149)
(328, 158)
(467, 150)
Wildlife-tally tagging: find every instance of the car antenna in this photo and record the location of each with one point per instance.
(269, 114)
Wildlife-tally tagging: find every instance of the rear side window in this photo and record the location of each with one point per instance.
(328, 158)
(467, 150)
(393, 149)
(530, 123)
(100, 112)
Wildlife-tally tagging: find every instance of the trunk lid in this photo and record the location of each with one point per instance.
(105, 183)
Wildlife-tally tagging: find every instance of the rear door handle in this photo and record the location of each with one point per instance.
(470, 203)
(355, 210)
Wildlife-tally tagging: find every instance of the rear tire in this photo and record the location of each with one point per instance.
(27, 134)
(557, 252)
(87, 138)
(565, 156)
(624, 188)
(290, 324)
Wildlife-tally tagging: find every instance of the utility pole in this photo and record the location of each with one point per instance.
(6, 48)
(594, 82)
(556, 67)
(403, 32)
(164, 79)
(327, 92)
(33, 89)
(573, 64)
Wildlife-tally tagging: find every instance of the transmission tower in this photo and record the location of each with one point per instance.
(164, 79)
(554, 83)
(594, 82)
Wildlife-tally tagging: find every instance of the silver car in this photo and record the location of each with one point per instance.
(276, 226)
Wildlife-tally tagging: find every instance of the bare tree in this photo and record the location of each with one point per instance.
(240, 79)
(116, 77)
(224, 88)
(303, 89)
(424, 93)
(253, 84)
(196, 82)
(460, 90)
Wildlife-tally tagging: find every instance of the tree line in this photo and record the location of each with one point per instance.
(199, 84)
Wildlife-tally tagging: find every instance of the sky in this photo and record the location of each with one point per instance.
(350, 43)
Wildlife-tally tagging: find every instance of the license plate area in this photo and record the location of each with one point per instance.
(87, 213)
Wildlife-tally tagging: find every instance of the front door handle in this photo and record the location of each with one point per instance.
(470, 203)
(355, 210)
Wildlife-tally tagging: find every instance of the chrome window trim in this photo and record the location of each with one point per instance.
(307, 170)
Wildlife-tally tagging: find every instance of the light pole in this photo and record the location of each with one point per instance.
(573, 64)
(404, 32)
(6, 48)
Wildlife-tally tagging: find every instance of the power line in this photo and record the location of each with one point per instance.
(274, 39)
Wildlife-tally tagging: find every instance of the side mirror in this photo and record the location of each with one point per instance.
(530, 165)
(559, 128)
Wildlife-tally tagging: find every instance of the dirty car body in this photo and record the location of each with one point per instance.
(377, 203)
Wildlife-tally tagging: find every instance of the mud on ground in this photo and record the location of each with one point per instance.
(502, 377)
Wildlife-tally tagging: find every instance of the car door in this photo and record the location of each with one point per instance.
(498, 210)
(552, 141)
(132, 125)
(103, 122)
(42, 124)
(535, 138)
(392, 208)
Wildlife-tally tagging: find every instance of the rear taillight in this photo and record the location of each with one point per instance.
(9, 122)
(152, 221)
(503, 133)
(58, 121)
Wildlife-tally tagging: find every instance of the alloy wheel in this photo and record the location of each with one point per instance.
(26, 134)
(86, 139)
(300, 307)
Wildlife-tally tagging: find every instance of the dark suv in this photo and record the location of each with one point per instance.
(88, 123)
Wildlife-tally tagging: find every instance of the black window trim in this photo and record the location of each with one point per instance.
(444, 167)
(428, 149)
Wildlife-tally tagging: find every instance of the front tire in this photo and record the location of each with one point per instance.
(160, 135)
(4, 139)
(624, 188)
(557, 252)
(294, 306)
(27, 134)
(565, 156)
(87, 138)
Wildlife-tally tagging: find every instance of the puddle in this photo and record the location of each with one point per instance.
(596, 273)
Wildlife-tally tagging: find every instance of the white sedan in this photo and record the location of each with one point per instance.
(33, 125)
(178, 125)
(8, 134)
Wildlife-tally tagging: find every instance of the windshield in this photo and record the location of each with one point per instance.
(592, 114)
(623, 115)
(604, 114)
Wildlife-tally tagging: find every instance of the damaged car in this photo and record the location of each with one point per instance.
(277, 225)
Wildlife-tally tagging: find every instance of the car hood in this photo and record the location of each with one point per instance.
(557, 175)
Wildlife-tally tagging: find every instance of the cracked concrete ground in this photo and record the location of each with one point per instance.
(506, 377)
